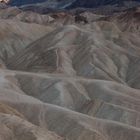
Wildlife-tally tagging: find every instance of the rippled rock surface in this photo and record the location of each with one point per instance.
(69, 75)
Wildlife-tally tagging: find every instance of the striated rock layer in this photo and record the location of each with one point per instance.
(67, 76)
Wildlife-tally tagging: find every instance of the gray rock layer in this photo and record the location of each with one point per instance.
(62, 78)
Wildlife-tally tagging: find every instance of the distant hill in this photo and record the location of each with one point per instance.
(96, 3)
(73, 3)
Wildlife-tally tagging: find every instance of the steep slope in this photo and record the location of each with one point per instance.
(15, 128)
(73, 51)
(69, 75)
(14, 33)
(73, 125)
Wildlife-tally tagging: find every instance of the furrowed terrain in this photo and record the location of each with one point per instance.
(69, 76)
